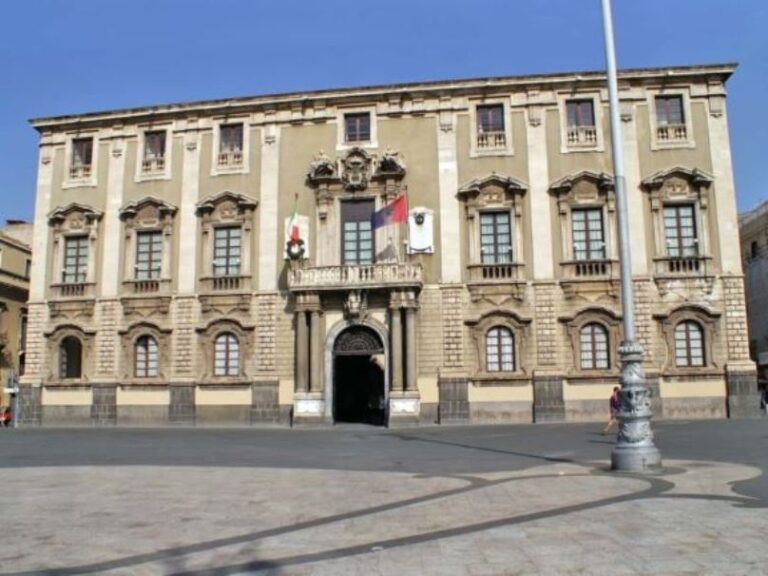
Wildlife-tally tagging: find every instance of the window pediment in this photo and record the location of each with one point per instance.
(227, 205)
(492, 190)
(148, 211)
(355, 169)
(677, 183)
(74, 217)
(585, 187)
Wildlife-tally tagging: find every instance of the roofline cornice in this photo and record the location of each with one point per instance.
(442, 88)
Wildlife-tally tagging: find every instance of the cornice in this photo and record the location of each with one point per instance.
(320, 99)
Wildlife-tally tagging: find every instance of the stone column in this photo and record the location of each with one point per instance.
(410, 350)
(316, 352)
(302, 350)
(396, 346)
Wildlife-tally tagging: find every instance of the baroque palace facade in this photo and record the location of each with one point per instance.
(163, 289)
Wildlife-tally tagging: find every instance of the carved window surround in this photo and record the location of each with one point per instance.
(128, 338)
(54, 339)
(494, 193)
(571, 139)
(506, 148)
(89, 179)
(147, 215)
(206, 340)
(341, 144)
(74, 220)
(520, 328)
(573, 325)
(684, 141)
(223, 210)
(710, 323)
(680, 186)
(355, 175)
(159, 169)
(217, 168)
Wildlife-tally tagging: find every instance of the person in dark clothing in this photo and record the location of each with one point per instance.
(614, 404)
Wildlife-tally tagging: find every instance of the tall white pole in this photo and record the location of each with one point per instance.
(634, 450)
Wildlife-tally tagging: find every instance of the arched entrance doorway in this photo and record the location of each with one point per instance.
(359, 393)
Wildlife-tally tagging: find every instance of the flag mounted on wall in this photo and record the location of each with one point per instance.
(393, 213)
(293, 223)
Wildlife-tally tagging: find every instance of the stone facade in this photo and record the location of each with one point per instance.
(224, 269)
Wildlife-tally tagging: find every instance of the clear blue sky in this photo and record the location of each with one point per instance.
(71, 56)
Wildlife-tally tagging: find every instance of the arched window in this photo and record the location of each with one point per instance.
(500, 350)
(70, 358)
(689, 344)
(146, 355)
(593, 340)
(226, 360)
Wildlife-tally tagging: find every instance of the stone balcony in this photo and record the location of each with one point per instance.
(682, 266)
(494, 273)
(385, 275)
(76, 290)
(590, 269)
(217, 284)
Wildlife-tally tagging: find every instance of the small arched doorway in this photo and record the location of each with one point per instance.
(359, 393)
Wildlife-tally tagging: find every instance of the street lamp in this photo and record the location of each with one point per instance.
(634, 450)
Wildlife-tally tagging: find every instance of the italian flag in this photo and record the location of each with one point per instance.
(293, 223)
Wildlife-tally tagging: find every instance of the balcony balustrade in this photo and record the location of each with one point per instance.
(598, 269)
(73, 290)
(230, 159)
(494, 273)
(672, 133)
(582, 136)
(153, 165)
(351, 277)
(80, 171)
(491, 140)
(681, 266)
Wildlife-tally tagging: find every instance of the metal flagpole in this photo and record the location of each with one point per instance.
(634, 450)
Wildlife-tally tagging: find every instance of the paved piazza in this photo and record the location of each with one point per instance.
(357, 500)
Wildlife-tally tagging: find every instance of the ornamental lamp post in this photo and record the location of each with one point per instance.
(634, 450)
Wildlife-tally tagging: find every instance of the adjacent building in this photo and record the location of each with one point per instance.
(219, 261)
(753, 228)
(15, 266)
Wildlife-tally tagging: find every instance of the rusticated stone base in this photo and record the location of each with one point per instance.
(548, 404)
(30, 405)
(454, 402)
(181, 410)
(693, 408)
(67, 415)
(142, 415)
(500, 412)
(264, 404)
(428, 414)
(743, 395)
(223, 415)
(104, 406)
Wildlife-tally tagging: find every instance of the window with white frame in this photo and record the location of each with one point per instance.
(147, 358)
(149, 255)
(680, 236)
(670, 119)
(500, 350)
(81, 162)
(153, 160)
(230, 145)
(226, 355)
(689, 344)
(226, 251)
(357, 127)
(588, 234)
(495, 238)
(581, 127)
(75, 269)
(593, 347)
(490, 126)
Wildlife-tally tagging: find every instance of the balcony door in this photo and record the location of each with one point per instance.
(357, 235)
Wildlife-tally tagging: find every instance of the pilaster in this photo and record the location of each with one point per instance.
(538, 176)
(110, 271)
(188, 234)
(268, 207)
(448, 182)
(632, 188)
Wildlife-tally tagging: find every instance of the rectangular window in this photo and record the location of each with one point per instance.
(588, 236)
(149, 254)
(357, 127)
(581, 123)
(226, 251)
(490, 126)
(670, 118)
(495, 238)
(82, 158)
(231, 145)
(154, 151)
(75, 260)
(357, 233)
(680, 231)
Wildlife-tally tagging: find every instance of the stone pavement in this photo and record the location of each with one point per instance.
(545, 512)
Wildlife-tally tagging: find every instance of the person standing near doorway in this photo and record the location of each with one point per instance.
(614, 403)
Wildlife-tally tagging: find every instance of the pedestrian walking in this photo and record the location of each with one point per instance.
(614, 403)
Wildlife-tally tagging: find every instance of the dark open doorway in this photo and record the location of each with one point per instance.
(358, 378)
